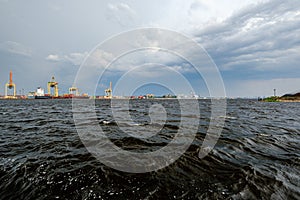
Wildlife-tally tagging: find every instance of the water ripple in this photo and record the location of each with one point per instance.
(256, 157)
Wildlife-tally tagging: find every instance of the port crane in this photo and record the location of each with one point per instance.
(108, 91)
(10, 85)
(53, 84)
(74, 91)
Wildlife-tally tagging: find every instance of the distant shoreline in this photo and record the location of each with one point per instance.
(281, 99)
(285, 100)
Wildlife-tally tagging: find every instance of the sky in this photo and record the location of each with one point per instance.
(254, 44)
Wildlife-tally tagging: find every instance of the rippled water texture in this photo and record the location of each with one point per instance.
(256, 157)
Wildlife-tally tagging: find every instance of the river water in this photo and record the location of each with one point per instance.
(256, 157)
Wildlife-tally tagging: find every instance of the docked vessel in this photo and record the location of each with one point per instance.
(38, 94)
(42, 97)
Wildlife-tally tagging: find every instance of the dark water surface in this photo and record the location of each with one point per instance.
(256, 157)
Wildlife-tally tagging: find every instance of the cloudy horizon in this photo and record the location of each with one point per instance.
(255, 44)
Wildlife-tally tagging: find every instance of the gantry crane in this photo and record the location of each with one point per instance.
(53, 84)
(10, 85)
(108, 91)
(74, 91)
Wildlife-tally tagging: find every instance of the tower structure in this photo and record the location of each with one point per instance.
(108, 91)
(74, 91)
(10, 85)
(53, 84)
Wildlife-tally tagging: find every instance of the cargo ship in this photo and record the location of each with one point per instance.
(42, 97)
(38, 94)
(72, 96)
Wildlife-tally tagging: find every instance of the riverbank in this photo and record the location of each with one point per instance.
(281, 99)
(286, 100)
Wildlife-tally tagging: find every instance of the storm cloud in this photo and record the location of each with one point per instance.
(255, 44)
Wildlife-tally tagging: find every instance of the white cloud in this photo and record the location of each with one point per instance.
(121, 13)
(151, 60)
(15, 48)
(53, 57)
(99, 59)
(74, 58)
(189, 15)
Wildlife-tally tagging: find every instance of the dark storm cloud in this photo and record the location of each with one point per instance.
(257, 44)
(259, 37)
